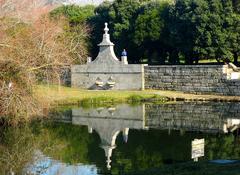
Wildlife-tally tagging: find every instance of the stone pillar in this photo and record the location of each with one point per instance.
(124, 57)
(89, 59)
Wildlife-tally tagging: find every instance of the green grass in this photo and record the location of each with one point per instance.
(208, 61)
(54, 94)
(74, 96)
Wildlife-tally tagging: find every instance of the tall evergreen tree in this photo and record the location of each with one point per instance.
(202, 28)
(148, 31)
(236, 6)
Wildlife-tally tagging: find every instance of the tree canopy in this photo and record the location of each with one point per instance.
(165, 32)
(201, 29)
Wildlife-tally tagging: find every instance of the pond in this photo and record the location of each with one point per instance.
(124, 139)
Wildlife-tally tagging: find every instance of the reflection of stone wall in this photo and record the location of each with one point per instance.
(209, 117)
(194, 79)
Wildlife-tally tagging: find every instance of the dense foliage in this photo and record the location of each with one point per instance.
(165, 32)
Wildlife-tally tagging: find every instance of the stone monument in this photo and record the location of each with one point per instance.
(107, 71)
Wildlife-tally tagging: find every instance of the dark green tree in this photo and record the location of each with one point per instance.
(148, 31)
(75, 14)
(180, 31)
(122, 16)
(202, 29)
(234, 37)
(236, 6)
(163, 32)
(134, 25)
(97, 24)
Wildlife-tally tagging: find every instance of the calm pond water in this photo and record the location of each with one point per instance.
(120, 139)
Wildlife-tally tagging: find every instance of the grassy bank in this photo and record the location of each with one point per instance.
(65, 95)
(54, 94)
(70, 96)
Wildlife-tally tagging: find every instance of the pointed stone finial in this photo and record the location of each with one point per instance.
(106, 29)
(109, 163)
(106, 47)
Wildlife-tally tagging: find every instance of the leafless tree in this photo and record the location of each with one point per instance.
(31, 52)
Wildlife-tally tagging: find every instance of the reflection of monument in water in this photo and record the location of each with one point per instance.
(203, 117)
(109, 122)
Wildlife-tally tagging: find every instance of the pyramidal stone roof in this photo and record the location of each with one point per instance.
(106, 49)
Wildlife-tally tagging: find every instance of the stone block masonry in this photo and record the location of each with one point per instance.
(197, 79)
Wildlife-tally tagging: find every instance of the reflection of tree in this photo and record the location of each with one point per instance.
(153, 149)
(63, 142)
(73, 144)
(223, 147)
(145, 160)
(18, 146)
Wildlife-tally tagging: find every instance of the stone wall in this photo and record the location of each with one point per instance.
(213, 79)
